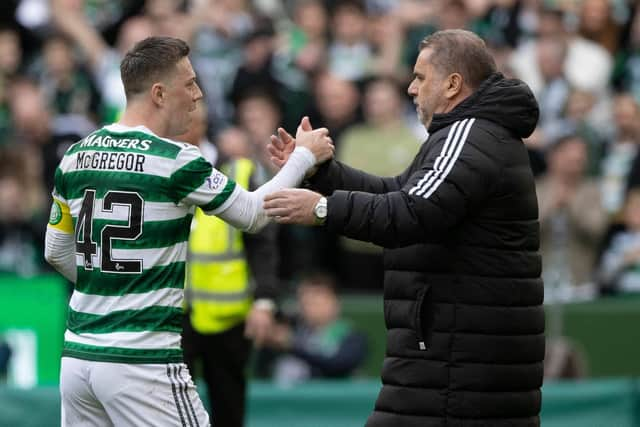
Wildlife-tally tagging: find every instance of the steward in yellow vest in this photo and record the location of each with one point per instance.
(217, 282)
(231, 283)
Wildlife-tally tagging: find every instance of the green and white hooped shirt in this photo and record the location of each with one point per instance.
(128, 197)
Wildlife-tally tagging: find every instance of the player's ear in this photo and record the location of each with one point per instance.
(454, 85)
(158, 94)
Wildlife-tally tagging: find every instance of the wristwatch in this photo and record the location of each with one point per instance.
(320, 211)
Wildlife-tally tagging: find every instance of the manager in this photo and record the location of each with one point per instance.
(462, 288)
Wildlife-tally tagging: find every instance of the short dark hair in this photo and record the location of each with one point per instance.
(149, 60)
(460, 51)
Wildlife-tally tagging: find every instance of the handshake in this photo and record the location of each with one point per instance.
(317, 141)
(296, 206)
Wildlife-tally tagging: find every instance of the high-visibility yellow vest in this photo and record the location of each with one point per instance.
(217, 287)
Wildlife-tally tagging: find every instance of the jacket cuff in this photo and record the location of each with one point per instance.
(337, 211)
(315, 182)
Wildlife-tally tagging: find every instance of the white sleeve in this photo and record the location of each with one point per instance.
(244, 209)
(59, 251)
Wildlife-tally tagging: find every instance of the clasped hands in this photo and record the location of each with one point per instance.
(294, 205)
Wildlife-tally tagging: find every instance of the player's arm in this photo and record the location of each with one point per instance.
(59, 247)
(218, 195)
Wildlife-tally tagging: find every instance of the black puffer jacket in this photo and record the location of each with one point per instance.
(462, 294)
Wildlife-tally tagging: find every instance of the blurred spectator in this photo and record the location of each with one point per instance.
(318, 343)
(572, 219)
(582, 54)
(597, 23)
(21, 217)
(622, 151)
(627, 72)
(45, 137)
(337, 104)
(554, 94)
(219, 28)
(386, 37)
(66, 86)
(10, 52)
(383, 145)
(259, 114)
(306, 41)
(619, 270)
(349, 53)
(233, 142)
(579, 112)
(499, 22)
(266, 70)
(103, 60)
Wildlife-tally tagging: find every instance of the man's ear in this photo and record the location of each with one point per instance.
(158, 94)
(454, 85)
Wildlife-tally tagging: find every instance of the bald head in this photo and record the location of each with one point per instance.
(460, 51)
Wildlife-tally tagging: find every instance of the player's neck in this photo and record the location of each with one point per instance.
(138, 115)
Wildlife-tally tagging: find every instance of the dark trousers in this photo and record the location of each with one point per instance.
(223, 358)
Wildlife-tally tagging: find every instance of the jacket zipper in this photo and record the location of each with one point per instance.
(422, 344)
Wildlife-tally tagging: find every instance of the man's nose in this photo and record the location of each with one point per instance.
(198, 94)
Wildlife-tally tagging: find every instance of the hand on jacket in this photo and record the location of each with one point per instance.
(292, 206)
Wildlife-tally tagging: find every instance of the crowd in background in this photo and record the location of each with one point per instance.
(346, 64)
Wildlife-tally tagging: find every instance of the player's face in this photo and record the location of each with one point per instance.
(183, 95)
(427, 88)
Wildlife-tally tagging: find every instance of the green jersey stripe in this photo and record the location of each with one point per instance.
(190, 177)
(150, 187)
(155, 234)
(96, 282)
(221, 197)
(156, 318)
(121, 355)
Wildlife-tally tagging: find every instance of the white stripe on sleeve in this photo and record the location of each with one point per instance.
(445, 161)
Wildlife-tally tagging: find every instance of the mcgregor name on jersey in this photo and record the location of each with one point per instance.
(101, 160)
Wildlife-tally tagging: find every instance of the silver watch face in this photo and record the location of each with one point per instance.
(320, 210)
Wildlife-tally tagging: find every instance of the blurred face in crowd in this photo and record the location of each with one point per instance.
(318, 304)
(594, 15)
(349, 24)
(182, 95)
(10, 52)
(551, 54)
(569, 160)
(311, 17)
(625, 115)
(12, 200)
(579, 104)
(161, 9)
(427, 88)
(337, 99)
(453, 14)
(132, 31)
(233, 143)
(257, 52)
(260, 117)
(382, 103)
(58, 57)
(29, 111)
(551, 24)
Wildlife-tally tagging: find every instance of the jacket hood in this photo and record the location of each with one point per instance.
(506, 102)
